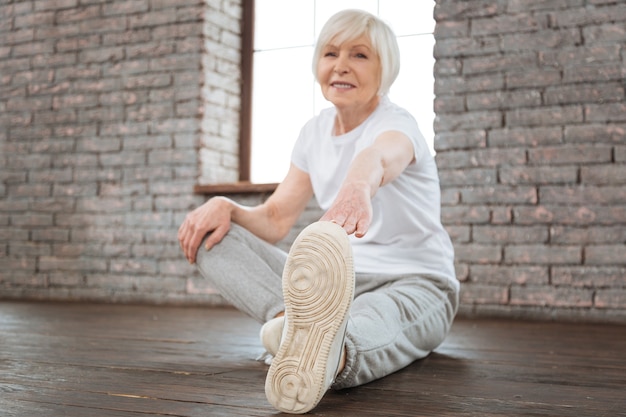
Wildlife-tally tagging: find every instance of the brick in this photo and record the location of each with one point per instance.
(446, 67)
(129, 37)
(478, 253)
(73, 190)
(157, 220)
(585, 235)
(506, 274)
(77, 44)
(589, 276)
(613, 298)
(134, 266)
(459, 84)
(30, 190)
(34, 19)
(571, 154)
(464, 215)
(101, 174)
(458, 10)
(75, 101)
(66, 279)
(524, 136)
(541, 40)
(102, 144)
(178, 267)
(580, 195)
(514, 23)
(51, 175)
(100, 114)
(125, 7)
(542, 254)
(45, 61)
(499, 194)
(29, 249)
(613, 32)
(579, 55)
(544, 116)
(115, 189)
(532, 78)
(99, 55)
(509, 234)
(483, 294)
(33, 161)
(31, 220)
(52, 205)
(551, 296)
(567, 215)
(100, 204)
(156, 251)
(21, 279)
(475, 176)
(594, 73)
(596, 133)
(450, 197)
(503, 100)
(605, 254)
(520, 175)
(150, 111)
(51, 235)
(77, 14)
(151, 18)
(14, 264)
(571, 94)
(153, 81)
(603, 174)
(612, 112)
(32, 48)
(481, 158)
(450, 104)
(459, 233)
(501, 215)
(588, 16)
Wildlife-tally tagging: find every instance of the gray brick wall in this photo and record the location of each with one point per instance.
(530, 135)
(111, 111)
(103, 108)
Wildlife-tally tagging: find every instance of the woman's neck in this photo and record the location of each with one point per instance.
(348, 119)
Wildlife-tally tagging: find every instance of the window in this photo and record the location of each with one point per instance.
(285, 94)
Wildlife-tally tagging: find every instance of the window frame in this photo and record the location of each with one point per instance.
(243, 185)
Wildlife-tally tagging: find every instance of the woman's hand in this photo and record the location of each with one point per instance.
(352, 208)
(213, 218)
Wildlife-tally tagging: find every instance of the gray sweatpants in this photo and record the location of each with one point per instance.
(394, 320)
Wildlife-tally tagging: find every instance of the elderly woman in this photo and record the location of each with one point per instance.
(369, 288)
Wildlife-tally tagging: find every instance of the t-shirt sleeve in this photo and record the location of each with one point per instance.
(298, 153)
(402, 121)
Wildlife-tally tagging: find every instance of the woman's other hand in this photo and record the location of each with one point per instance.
(213, 218)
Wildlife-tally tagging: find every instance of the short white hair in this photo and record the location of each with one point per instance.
(350, 24)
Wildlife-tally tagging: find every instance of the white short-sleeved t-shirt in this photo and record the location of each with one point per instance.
(406, 235)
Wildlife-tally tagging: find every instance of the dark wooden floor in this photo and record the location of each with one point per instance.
(130, 361)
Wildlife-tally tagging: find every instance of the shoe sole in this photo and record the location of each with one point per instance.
(318, 288)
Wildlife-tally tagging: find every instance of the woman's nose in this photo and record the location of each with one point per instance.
(341, 65)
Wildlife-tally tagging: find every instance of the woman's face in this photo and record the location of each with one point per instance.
(349, 74)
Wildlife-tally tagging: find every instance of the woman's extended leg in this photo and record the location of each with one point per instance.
(394, 325)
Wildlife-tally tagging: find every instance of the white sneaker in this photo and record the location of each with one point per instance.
(318, 287)
(270, 335)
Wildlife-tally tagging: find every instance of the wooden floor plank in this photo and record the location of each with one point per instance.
(129, 361)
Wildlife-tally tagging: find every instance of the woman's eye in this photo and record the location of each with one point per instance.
(361, 56)
(330, 54)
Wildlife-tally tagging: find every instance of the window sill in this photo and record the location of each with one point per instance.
(243, 187)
